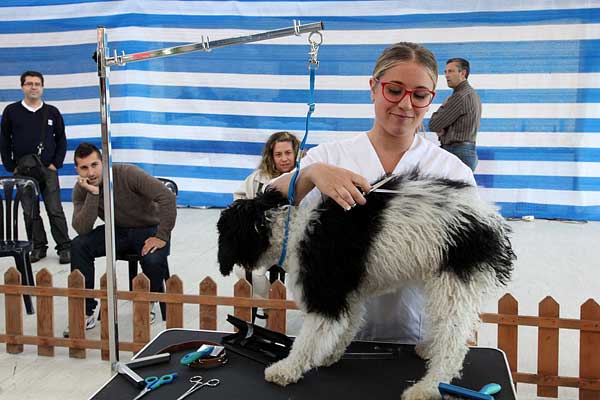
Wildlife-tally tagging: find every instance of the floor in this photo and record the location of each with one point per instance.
(555, 259)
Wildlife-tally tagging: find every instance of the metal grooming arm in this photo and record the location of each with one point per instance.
(104, 62)
(206, 45)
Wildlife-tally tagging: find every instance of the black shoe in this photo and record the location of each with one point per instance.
(64, 256)
(37, 255)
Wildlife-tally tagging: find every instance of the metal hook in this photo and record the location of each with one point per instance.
(117, 59)
(205, 44)
(297, 27)
(314, 48)
(314, 42)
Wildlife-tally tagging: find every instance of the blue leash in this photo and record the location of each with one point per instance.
(292, 187)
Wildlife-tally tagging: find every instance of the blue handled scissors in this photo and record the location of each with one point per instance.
(154, 382)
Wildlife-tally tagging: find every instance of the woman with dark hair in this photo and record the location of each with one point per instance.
(279, 156)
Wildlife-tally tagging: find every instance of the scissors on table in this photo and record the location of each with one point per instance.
(154, 382)
(198, 384)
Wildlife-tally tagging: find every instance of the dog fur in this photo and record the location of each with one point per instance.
(434, 230)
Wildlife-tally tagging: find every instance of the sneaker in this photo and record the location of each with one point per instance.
(90, 322)
(64, 256)
(153, 313)
(37, 255)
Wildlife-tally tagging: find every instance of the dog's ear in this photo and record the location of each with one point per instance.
(243, 235)
(226, 253)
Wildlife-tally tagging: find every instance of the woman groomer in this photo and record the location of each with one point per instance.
(402, 88)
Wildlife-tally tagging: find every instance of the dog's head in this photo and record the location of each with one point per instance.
(244, 230)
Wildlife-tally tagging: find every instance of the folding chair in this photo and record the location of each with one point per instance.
(15, 191)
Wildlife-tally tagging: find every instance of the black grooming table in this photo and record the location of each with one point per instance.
(243, 378)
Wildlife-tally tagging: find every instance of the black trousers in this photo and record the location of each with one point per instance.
(85, 248)
(50, 191)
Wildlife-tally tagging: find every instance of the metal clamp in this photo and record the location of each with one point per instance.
(296, 27)
(205, 44)
(314, 48)
(116, 59)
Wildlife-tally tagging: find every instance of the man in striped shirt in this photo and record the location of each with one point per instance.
(457, 120)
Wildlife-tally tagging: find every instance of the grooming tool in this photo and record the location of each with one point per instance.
(256, 343)
(198, 384)
(485, 393)
(154, 382)
(203, 352)
(266, 346)
(131, 376)
(210, 354)
(385, 191)
(126, 370)
(379, 184)
(374, 188)
(150, 360)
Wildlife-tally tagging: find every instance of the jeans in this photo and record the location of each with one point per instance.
(85, 248)
(465, 151)
(50, 191)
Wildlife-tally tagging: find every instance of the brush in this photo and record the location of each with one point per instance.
(485, 393)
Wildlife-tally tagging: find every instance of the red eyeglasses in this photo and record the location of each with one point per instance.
(394, 93)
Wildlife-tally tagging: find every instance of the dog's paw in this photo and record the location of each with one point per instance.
(422, 350)
(421, 391)
(282, 373)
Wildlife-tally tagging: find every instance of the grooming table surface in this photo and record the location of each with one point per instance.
(348, 379)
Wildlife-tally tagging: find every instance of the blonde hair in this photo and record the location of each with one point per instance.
(267, 163)
(405, 52)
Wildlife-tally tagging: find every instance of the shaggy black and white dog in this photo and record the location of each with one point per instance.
(435, 230)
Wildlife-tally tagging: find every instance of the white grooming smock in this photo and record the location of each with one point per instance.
(397, 316)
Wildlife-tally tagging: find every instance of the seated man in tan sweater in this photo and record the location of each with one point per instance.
(145, 212)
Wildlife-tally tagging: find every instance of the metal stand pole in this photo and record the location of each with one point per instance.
(109, 232)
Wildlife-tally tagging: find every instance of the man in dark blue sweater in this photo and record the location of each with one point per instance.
(21, 134)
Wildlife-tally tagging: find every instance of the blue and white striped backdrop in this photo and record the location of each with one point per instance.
(202, 118)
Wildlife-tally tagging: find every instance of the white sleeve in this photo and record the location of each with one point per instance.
(465, 174)
(248, 188)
